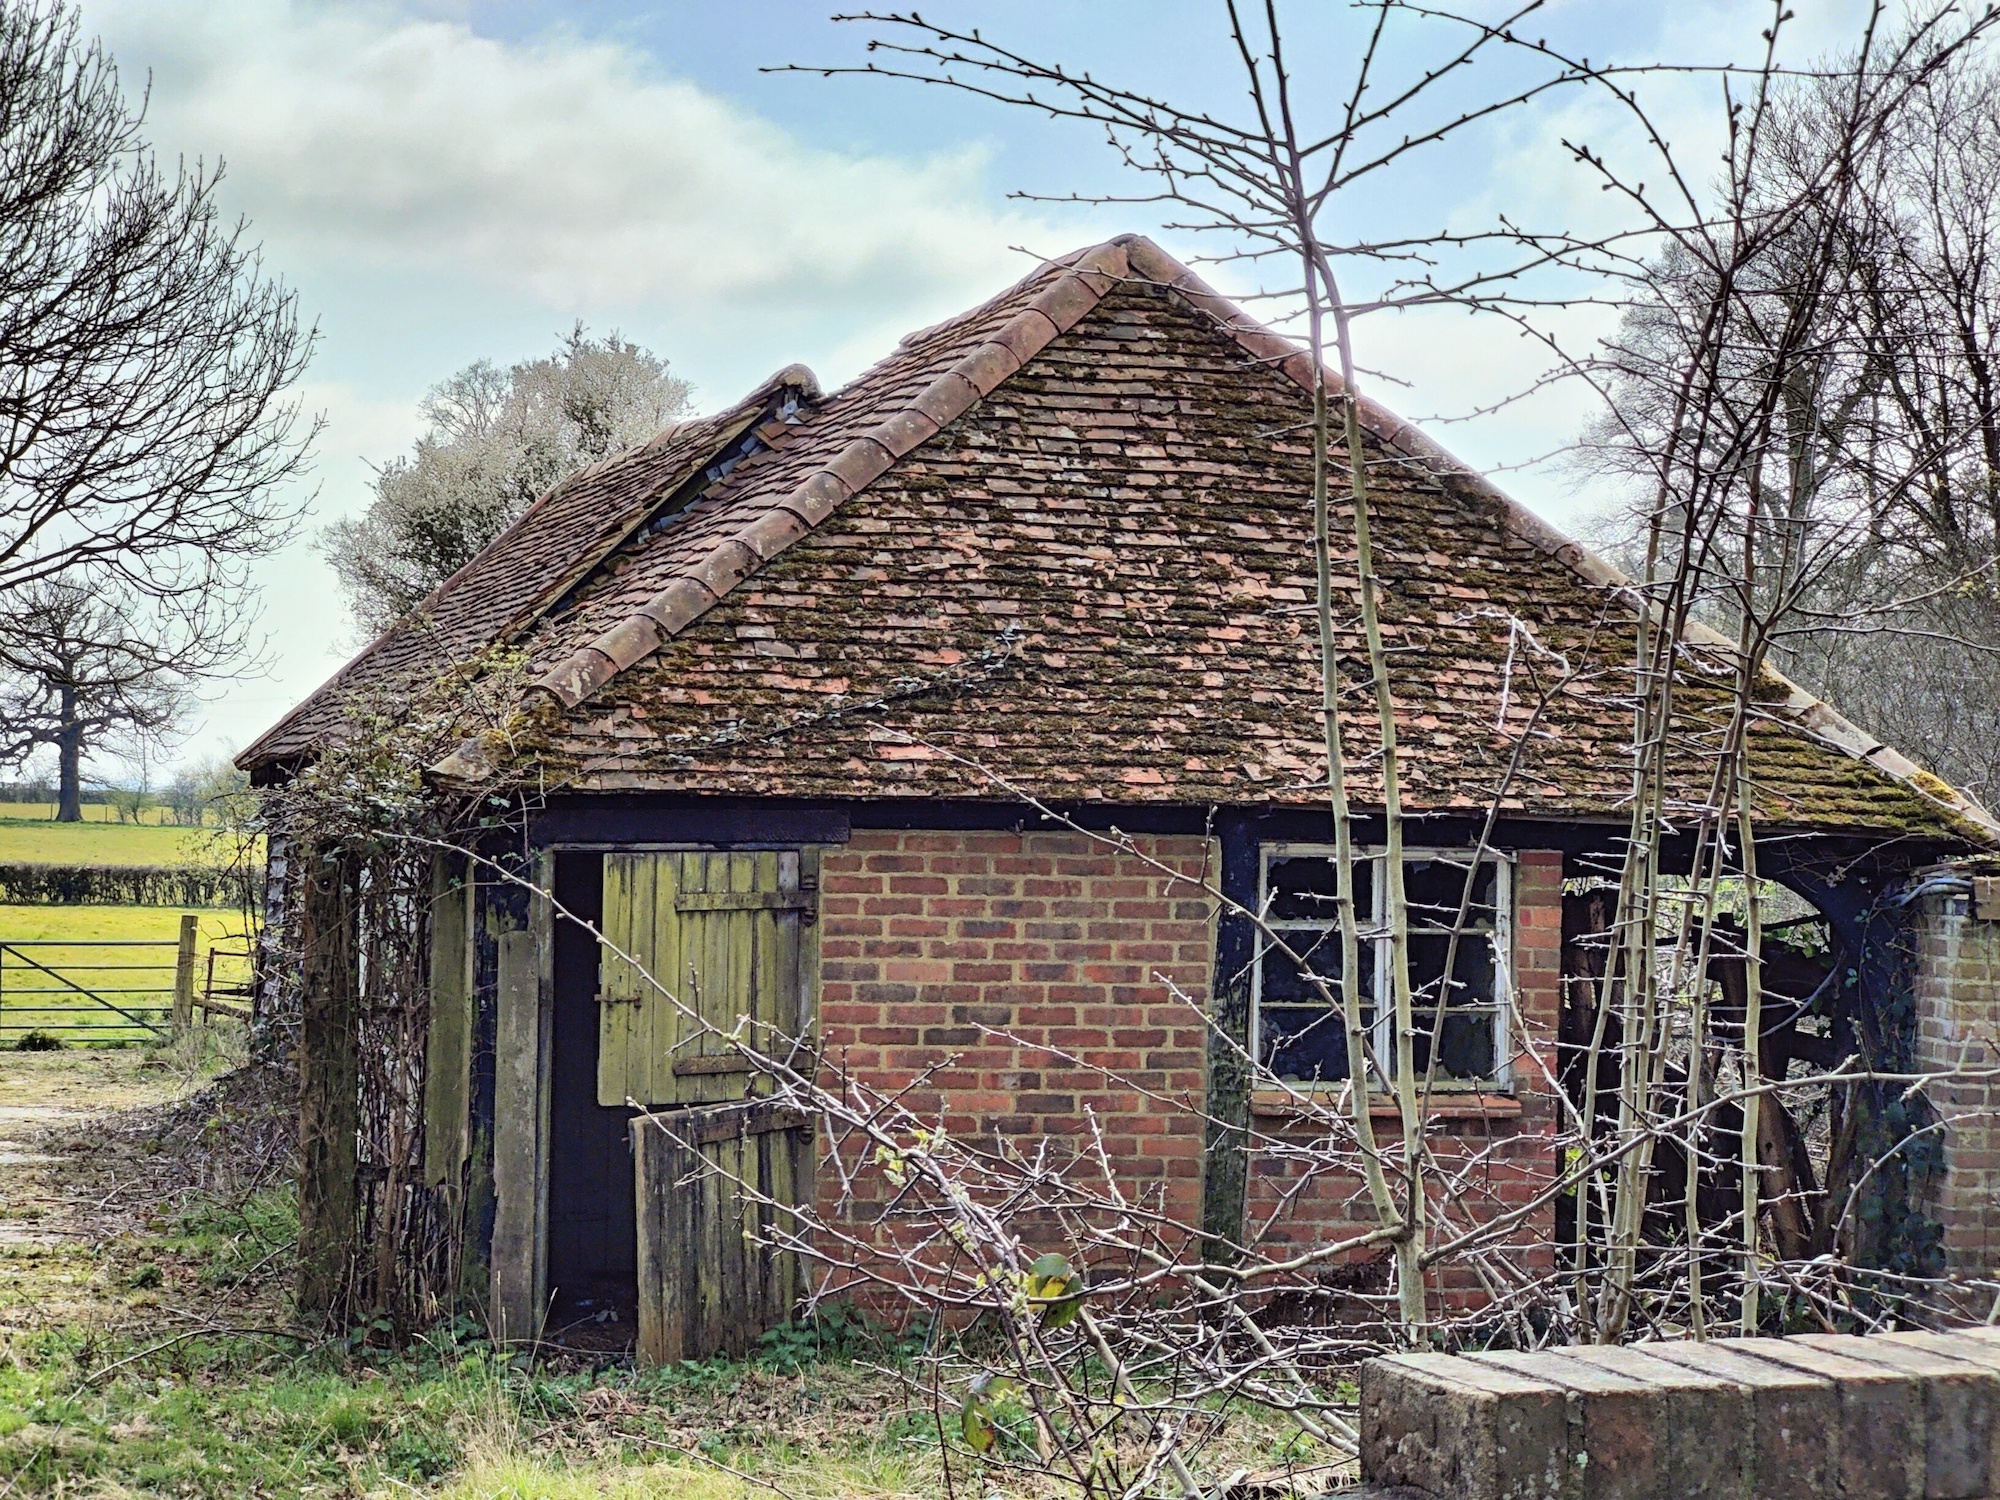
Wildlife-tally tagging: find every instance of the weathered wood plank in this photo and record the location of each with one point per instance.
(516, 1139)
(709, 1312)
(807, 1013)
(686, 1268)
(656, 1020)
(653, 1243)
(728, 1062)
(448, 1048)
(751, 900)
(804, 1148)
(775, 1178)
(705, 1127)
(616, 985)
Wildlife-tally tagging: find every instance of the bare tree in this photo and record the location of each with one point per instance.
(145, 357)
(1887, 431)
(1922, 666)
(494, 441)
(1741, 393)
(82, 670)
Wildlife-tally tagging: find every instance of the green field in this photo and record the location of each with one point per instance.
(28, 839)
(75, 931)
(153, 814)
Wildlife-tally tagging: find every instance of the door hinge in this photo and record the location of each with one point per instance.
(603, 999)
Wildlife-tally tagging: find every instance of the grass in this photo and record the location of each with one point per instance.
(93, 812)
(85, 965)
(231, 1415)
(30, 836)
(148, 1351)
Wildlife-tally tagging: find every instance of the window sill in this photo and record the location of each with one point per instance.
(1442, 1106)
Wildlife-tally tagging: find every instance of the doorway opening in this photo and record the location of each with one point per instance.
(593, 1285)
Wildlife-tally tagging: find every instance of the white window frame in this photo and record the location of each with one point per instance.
(1377, 932)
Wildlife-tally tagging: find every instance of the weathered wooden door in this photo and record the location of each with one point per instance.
(707, 955)
(701, 947)
(713, 1183)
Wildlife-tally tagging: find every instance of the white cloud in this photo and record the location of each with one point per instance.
(566, 171)
(438, 196)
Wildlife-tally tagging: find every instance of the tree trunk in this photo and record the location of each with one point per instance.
(328, 1105)
(69, 755)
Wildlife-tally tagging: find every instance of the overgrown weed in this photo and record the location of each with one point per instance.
(195, 1055)
(221, 1414)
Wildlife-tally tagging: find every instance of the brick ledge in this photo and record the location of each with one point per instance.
(1451, 1106)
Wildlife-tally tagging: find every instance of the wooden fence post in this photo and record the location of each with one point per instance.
(184, 973)
(329, 1109)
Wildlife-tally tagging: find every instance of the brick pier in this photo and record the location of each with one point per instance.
(1958, 1029)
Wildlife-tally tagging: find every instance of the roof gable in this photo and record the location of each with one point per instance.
(529, 566)
(785, 602)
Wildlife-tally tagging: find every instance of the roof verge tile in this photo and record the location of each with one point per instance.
(987, 366)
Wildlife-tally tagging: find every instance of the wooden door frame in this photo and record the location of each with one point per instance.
(524, 1006)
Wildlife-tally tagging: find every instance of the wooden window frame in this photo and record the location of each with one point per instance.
(1377, 933)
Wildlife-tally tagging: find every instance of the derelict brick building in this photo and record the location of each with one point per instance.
(806, 675)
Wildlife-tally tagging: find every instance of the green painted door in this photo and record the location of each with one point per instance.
(703, 947)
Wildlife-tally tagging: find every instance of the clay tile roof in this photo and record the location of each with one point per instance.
(553, 544)
(1059, 536)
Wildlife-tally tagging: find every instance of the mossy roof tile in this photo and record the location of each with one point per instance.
(1094, 582)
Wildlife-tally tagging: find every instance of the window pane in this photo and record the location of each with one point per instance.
(1301, 888)
(1434, 887)
(1465, 1047)
(1283, 984)
(1302, 1044)
(1472, 969)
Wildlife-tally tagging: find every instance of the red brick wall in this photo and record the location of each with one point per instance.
(930, 943)
(1958, 1031)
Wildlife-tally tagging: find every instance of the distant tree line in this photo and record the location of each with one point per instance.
(1869, 342)
(210, 793)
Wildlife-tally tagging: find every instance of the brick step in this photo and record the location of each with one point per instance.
(1903, 1416)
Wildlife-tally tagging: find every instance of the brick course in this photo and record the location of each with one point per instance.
(1034, 976)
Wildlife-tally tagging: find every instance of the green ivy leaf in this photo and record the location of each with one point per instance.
(1056, 1288)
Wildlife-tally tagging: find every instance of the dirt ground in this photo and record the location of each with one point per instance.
(101, 1157)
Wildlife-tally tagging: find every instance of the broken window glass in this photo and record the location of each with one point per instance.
(1456, 911)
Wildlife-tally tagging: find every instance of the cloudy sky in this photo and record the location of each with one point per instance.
(444, 182)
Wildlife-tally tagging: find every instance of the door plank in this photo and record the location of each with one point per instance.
(713, 1183)
(750, 900)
